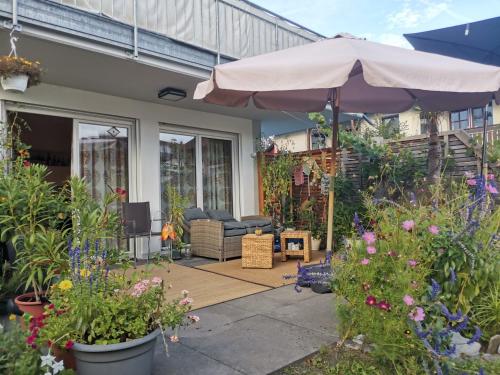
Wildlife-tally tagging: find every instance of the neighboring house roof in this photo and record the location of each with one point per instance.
(475, 41)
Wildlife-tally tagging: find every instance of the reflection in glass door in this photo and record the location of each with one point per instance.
(103, 157)
(199, 168)
(177, 167)
(217, 174)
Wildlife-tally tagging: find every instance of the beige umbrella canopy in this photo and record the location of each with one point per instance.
(355, 75)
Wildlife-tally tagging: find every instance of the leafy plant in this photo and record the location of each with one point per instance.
(13, 65)
(486, 311)
(15, 357)
(176, 206)
(276, 181)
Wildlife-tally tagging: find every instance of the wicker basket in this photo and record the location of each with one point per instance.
(257, 251)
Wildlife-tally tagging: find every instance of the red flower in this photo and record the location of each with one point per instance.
(384, 305)
(30, 339)
(371, 301)
(120, 191)
(51, 306)
(69, 344)
(49, 343)
(26, 163)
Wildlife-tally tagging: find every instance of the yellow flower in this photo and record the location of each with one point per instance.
(61, 215)
(65, 285)
(12, 317)
(84, 272)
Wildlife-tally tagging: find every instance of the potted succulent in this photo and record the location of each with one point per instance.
(18, 73)
(110, 322)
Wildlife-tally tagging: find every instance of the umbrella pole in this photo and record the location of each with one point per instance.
(335, 101)
(484, 156)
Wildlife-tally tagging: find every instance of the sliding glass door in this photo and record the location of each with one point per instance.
(200, 168)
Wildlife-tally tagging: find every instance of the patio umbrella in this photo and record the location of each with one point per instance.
(354, 75)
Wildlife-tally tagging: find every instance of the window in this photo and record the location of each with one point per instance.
(471, 118)
(424, 123)
(318, 140)
(391, 124)
(199, 168)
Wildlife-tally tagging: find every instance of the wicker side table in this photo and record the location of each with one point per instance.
(257, 251)
(303, 235)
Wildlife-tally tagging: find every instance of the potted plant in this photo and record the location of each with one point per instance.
(18, 73)
(110, 322)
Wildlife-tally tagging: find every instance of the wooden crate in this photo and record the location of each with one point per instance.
(303, 235)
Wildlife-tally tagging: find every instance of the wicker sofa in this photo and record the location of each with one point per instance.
(216, 234)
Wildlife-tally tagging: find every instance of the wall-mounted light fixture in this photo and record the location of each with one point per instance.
(171, 94)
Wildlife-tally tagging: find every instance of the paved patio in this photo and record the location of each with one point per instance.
(257, 334)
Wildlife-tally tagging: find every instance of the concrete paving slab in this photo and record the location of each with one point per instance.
(215, 319)
(316, 313)
(259, 344)
(185, 361)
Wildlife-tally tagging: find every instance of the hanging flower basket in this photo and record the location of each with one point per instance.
(18, 73)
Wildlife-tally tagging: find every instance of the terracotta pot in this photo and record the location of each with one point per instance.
(66, 356)
(28, 304)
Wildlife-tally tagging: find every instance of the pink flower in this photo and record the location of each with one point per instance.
(365, 261)
(417, 314)
(371, 301)
(471, 182)
(156, 280)
(490, 176)
(408, 300)
(186, 301)
(69, 344)
(469, 174)
(194, 318)
(174, 338)
(408, 225)
(369, 238)
(491, 189)
(433, 229)
(371, 250)
(412, 262)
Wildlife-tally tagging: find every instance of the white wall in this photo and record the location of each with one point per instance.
(410, 121)
(149, 115)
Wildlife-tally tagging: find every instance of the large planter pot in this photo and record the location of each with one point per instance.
(28, 304)
(17, 83)
(133, 357)
(315, 244)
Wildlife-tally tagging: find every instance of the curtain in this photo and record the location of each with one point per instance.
(104, 158)
(217, 174)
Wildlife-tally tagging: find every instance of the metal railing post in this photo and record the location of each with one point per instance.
(217, 30)
(136, 38)
(14, 13)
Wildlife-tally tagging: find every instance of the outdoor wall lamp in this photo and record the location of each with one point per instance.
(171, 94)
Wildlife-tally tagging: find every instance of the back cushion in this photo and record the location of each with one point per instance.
(220, 215)
(194, 214)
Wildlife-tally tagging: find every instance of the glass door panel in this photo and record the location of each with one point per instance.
(217, 174)
(103, 157)
(177, 167)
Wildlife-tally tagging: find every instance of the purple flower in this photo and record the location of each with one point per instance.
(435, 290)
(365, 261)
(491, 189)
(371, 250)
(448, 315)
(462, 325)
(412, 263)
(476, 336)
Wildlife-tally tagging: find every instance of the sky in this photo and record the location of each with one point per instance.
(383, 21)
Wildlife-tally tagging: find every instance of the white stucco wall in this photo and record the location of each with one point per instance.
(149, 116)
(410, 122)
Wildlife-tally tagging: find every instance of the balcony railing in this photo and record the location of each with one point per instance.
(233, 28)
(492, 133)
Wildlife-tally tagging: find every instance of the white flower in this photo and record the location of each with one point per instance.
(57, 367)
(48, 373)
(47, 360)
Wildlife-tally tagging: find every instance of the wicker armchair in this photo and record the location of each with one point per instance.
(208, 239)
